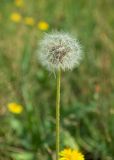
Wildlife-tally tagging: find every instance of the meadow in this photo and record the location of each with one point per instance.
(27, 131)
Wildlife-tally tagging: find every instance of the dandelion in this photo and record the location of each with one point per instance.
(15, 108)
(19, 3)
(42, 25)
(57, 52)
(69, 154)
(15, 17)
(29, 21)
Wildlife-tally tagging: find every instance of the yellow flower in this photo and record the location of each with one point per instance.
(42, 25)
(29, 21)
(69, 154)
(15, 17)
(19, 3)
(15, 108)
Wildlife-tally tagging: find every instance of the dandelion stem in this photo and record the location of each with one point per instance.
(58, 114)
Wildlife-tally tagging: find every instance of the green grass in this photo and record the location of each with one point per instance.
(87, 117)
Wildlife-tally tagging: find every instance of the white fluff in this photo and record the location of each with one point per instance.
(59, 51)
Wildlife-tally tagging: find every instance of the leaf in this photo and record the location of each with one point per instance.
(68, 140)
(22, 156)
(25, 62)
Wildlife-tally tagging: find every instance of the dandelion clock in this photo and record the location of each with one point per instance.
(58, 52)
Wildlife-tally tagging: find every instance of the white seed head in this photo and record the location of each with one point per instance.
(59, 51)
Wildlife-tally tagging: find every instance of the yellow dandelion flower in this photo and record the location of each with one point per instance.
(15, 108)
(19, 3)
(69, 154)
(15, 17)
(29, 21)
(42, 25)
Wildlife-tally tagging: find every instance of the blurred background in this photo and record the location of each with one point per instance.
(27, 90)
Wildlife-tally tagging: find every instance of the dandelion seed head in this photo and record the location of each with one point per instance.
(59, 51)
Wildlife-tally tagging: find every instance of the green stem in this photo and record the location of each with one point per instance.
(58, 114)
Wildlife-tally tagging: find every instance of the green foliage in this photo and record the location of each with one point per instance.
(87, 107)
